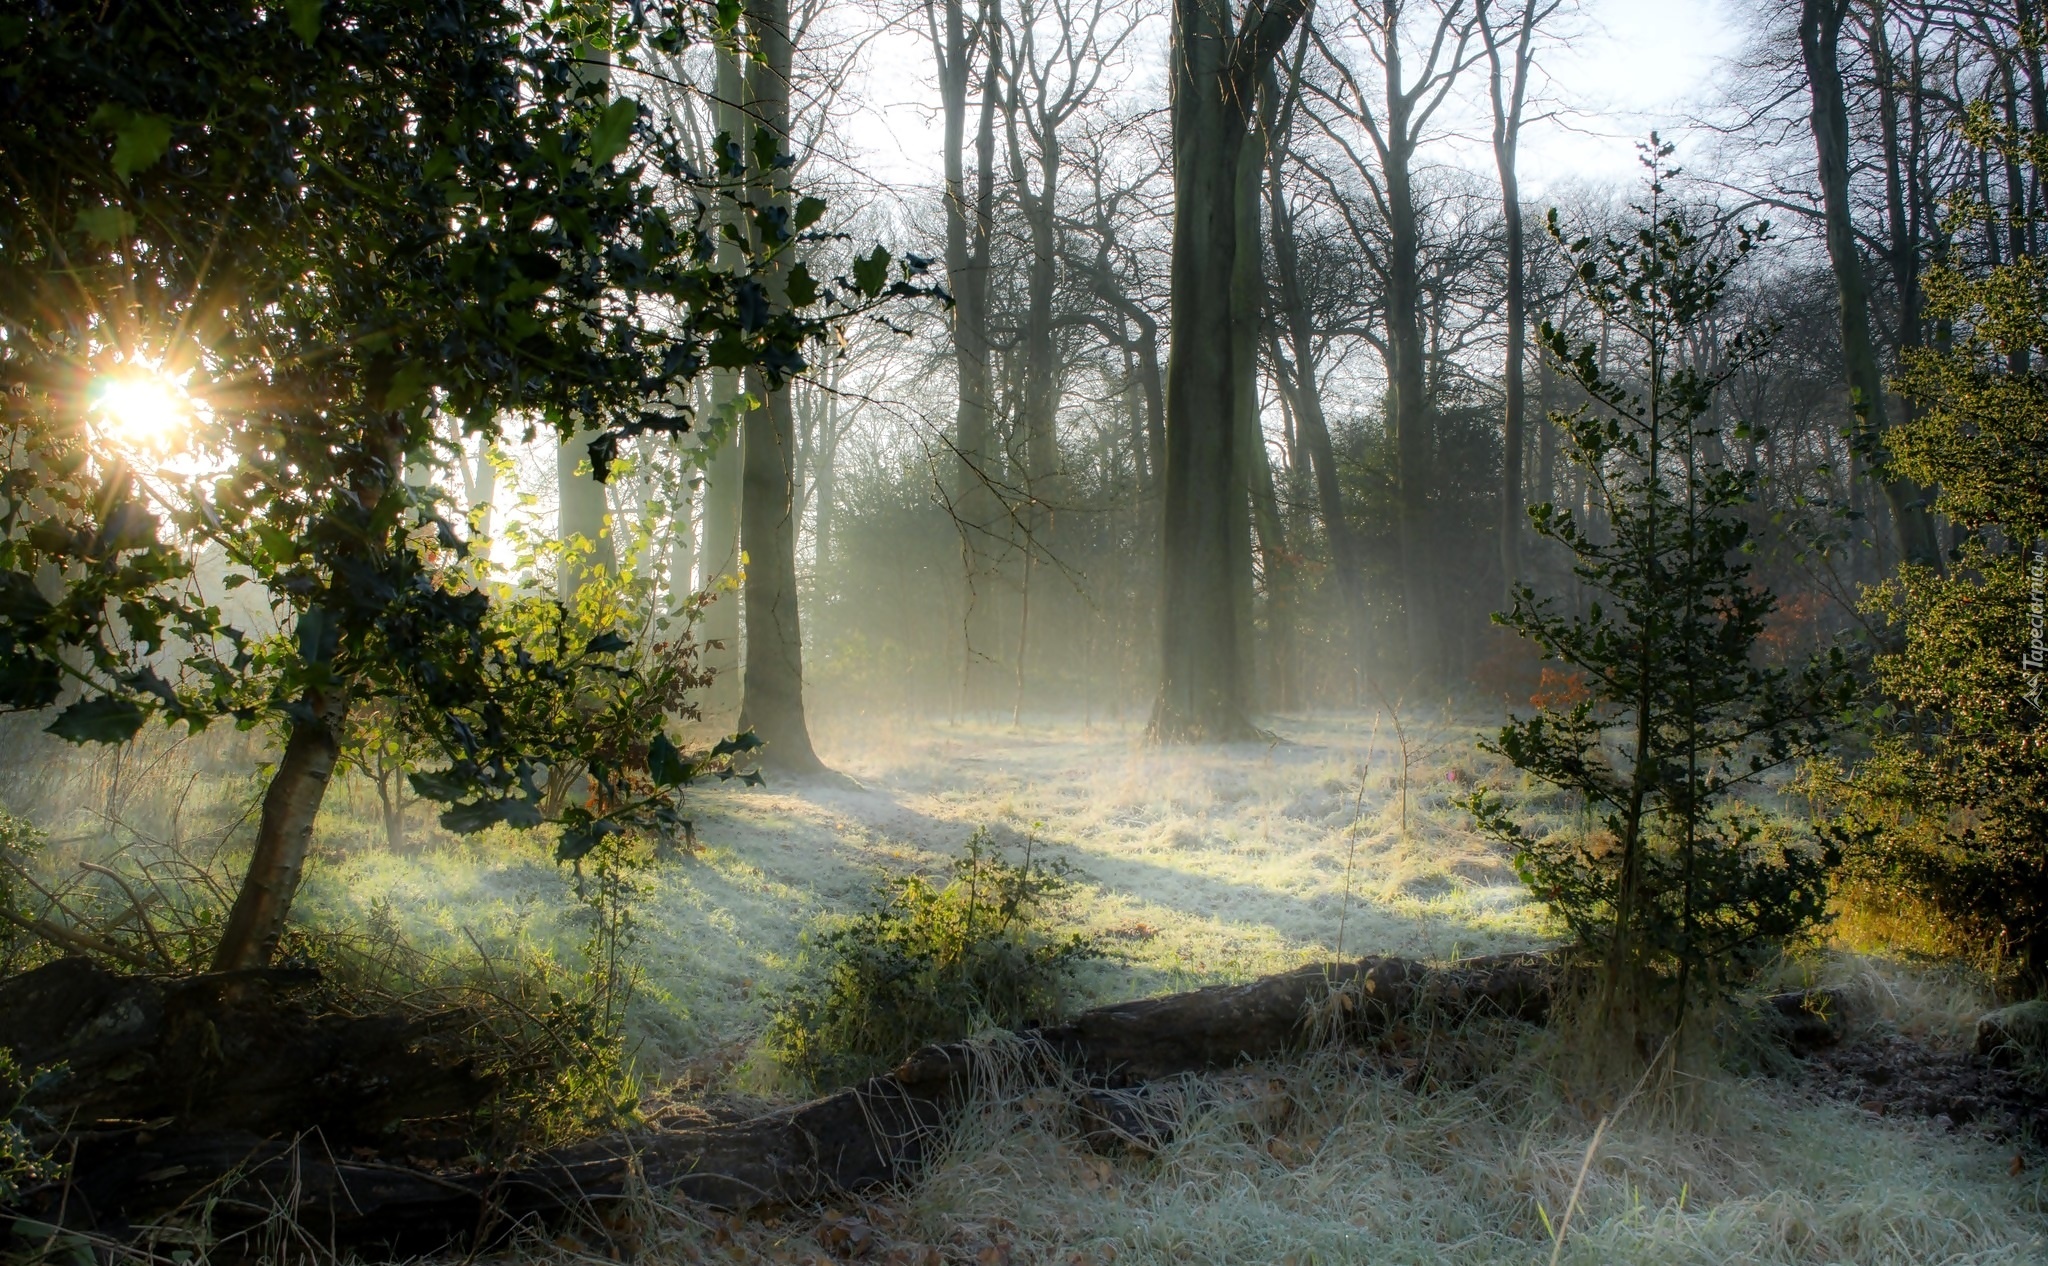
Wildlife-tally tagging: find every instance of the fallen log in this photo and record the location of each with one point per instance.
(873, 1134)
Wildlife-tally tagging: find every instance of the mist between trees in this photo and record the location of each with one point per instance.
(990, 522)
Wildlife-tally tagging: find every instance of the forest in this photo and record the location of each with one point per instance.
(994, 632)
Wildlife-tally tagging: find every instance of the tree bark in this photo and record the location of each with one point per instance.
(868, 1136)
(724, 470)
(1300, 380)
(772, 705)
(1212, 73)
(970, 219)
(1509, 87)
(284, 833)
(1408, 405)
(1258, 495)
(1820, 27)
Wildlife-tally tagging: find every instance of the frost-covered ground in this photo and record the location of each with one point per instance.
(1198, 866)
(1194, 866)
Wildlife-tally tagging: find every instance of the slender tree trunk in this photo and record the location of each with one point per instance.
(724, 469)
(284, 833)
(773, 677)
(1509, 88)
(969, 221)
(1301, 382)
(827, 489)
(1409, 413)
(1820, 27)
(1247, 282)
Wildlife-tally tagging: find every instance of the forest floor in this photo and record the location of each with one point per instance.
(1195, 868)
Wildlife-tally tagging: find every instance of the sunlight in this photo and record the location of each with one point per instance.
(142, 408)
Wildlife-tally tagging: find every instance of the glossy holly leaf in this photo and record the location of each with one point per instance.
(606, 644)
(802, 288)
(744, 742)
(871, 273)
(440, 785)
(104, 719)
(613, 131)
(21, 602)
(578, 840)
(665, 763)
(808, 212)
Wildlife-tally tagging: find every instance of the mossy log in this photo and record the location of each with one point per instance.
(131, 1168)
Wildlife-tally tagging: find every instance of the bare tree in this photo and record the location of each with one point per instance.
(1218, 57)
(1395, 124)
(1510, 41)
(1820, 29)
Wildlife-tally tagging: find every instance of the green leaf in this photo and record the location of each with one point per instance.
(468, 819)
(304, 16)
(767, 148)
(872, 273)
(808, 212)
(614, 131)
(438, 785)
(105, 719)
(802, 287)
(407, 387)
(106, 224)
(666, 764)
(744, 742)
(21, 601)
(605, 644)
(140, 138)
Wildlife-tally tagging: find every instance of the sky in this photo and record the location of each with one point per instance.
(1622, 68)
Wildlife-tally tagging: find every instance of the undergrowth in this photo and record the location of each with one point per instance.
(931, 963)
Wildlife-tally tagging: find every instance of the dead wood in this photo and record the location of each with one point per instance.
(295, 1151)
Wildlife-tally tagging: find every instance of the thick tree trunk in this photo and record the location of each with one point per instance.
(1820, 27)
(773, 679)
(284, 833)
(1201, 693)
(725, 468)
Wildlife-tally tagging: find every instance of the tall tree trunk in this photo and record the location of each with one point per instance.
(724, 469)
(1213, 70)
(1247, 281)
(1509, 86)
(1304, 388)
(1820, 27)
(772, 680)
(1409, 411)
(969, 225)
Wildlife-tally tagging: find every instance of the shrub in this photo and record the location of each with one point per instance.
(931, 963)
(1950, 812)
(1672, 711)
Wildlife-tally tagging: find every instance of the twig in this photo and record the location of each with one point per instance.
(84, 942)
(141, 912)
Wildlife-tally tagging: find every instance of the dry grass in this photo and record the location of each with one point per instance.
(1200, 867)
